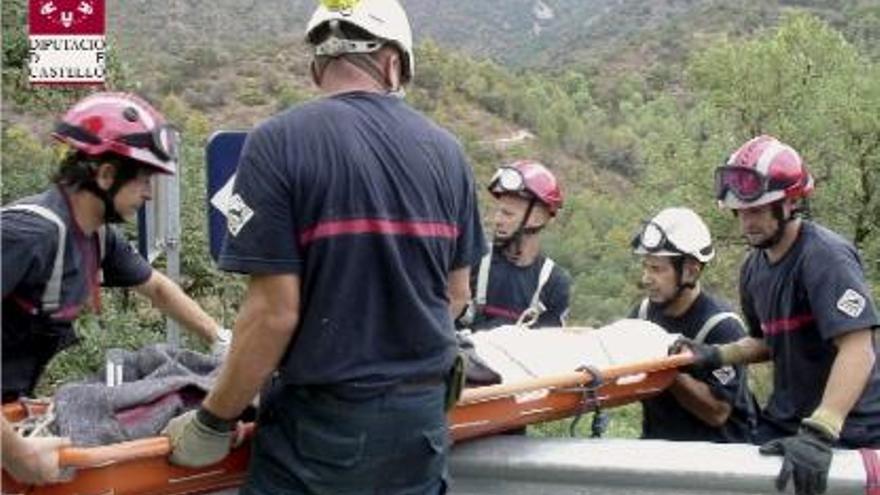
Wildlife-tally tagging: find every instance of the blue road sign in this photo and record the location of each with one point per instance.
(222, 154)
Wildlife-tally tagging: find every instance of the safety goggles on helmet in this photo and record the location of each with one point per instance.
(652, 238)
(163, 141)
(507, 180)
(745, 183)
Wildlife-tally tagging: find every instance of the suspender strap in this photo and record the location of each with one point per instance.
(483, 280)
(51, 300)
(643, 309)
(102, 251)
(707, 327)
(713, 322)
(543, 277)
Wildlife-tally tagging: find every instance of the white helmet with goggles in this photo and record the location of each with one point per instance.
(675, 232)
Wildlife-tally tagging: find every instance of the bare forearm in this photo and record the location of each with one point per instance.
(168, 297)
(459, 291)
(849, 373)
(697, 398)
(11, 440)
(263, 330)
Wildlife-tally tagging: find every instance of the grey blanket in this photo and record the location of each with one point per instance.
(159, 383)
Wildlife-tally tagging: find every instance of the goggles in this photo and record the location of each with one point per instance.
(745, 183)
(507, 180)
(163, 141)
(652, 238)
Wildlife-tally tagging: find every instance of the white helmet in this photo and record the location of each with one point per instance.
(384, 19)
(675, 232)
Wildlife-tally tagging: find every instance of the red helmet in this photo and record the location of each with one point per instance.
(122, 124)
(762, 171)
(528, 178)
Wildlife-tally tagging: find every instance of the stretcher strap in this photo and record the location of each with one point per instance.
(872, 471)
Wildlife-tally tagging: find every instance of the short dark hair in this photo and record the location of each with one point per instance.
(78, 169)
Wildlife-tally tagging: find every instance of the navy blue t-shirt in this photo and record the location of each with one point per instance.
(511, 288)
(372, 205)
(798, 305)
(664, 418)
(30, 336)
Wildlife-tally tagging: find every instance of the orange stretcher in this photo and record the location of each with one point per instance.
(141, 467)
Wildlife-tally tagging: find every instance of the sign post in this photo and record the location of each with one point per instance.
(158, 226)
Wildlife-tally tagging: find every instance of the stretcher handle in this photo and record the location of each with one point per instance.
(575, 378)
(90, 457)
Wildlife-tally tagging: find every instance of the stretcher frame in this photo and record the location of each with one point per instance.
(141, 466)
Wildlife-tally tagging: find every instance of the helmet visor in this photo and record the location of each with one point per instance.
(163, 141)
(745, 183)
(507, 180)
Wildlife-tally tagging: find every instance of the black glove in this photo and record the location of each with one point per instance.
(706, 357)
(807, 457)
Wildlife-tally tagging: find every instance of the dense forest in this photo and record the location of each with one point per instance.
(634, 118)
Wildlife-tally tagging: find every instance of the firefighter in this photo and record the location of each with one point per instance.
(516, 281)
(808, 309)
(60, 246)
(357, 225)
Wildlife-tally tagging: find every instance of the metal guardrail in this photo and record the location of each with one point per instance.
(567, 466)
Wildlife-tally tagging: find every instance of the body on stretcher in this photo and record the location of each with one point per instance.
(625, 364)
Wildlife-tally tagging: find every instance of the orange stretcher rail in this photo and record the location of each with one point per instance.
(141, 467)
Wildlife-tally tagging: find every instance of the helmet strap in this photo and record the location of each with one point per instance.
(367, 64)
(515, 240)
(781, 222)
(106, 196)
(121, 177)
(680, 287)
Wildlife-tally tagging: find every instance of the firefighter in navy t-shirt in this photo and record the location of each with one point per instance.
(516, 280)
(58, 250)
(357, 222)
(809, 310)
(710, 405)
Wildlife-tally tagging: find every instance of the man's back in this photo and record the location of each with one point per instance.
(370, 206)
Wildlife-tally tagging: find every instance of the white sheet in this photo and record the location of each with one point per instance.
(518, 353)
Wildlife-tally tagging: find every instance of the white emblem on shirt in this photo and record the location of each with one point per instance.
(851, 303)
(725, 374)
(237, 214)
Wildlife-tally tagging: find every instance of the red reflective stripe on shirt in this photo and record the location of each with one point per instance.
(502, 312)
(66, 313)
(378, 226)
(787, 324)
(872, 471)
(28, 306)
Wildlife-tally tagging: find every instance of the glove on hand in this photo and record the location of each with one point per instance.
(807, 458)
(706, 357)
(195, 444)
(220, 347)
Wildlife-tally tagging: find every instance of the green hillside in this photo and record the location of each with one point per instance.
(634, 112)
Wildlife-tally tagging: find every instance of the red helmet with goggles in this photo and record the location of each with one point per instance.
(124, 125)
(529, 179)
(762, 171)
